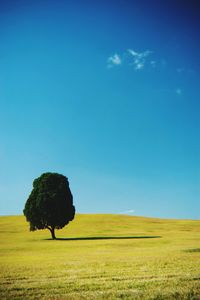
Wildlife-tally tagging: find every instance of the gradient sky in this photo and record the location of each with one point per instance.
(106, 93)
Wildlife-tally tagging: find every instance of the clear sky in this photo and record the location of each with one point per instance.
(106, 93)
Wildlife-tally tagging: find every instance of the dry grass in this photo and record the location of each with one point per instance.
(155, 259)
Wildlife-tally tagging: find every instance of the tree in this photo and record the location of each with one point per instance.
(50, 204)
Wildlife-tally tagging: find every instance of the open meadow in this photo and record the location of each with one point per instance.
(101, 257)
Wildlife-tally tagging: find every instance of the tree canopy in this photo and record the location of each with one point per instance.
(50, 204)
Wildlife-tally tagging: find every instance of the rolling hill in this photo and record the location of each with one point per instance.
(101, 257)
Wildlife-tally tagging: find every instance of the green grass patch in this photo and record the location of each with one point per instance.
(101, 257)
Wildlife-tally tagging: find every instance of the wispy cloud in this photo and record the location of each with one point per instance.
(132, 52)
(139, 55)
(139, 59)
(132, 58)
(153, 63)
(139, 65)
(114, 60)
(127, 212)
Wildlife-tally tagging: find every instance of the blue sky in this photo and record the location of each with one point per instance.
(106, 94)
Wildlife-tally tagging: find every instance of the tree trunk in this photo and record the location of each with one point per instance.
(52, 230)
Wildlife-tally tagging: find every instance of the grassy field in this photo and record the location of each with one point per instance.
(101, 257)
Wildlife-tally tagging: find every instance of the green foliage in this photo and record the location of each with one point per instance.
(50, 204)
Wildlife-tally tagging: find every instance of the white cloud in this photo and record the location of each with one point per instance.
(139, 58)
(131, 57)
(139, 54)
(132, 52)
(114, 60)
(139, 66)
(146, 53)
(127, 212)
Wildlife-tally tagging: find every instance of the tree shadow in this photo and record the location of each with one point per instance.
(94, 238)
(192, 250)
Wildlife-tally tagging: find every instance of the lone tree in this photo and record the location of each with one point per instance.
(50, 204)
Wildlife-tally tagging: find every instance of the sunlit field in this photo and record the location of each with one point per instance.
(101, 257)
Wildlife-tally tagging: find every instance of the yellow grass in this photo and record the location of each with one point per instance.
(104, 257)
